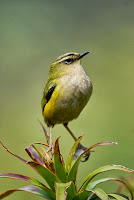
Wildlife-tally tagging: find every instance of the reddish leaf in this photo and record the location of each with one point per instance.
(45, 132)
(34, 155)
(22, 178)
(48, 194)
(13, 153)
(39, 143)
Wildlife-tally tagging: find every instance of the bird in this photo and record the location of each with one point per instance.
(67, 91)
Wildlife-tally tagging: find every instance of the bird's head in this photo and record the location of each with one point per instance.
(66, 62)
(70, 58)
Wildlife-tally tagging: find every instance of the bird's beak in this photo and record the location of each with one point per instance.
(82, 55)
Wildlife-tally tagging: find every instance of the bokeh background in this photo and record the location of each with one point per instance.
(32, 35)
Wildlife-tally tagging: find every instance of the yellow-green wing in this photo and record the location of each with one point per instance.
(48, 91)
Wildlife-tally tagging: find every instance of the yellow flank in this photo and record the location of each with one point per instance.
(49, 108)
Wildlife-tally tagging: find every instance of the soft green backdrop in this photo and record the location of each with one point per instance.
(33, 33)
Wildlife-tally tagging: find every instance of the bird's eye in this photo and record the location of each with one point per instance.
(68, 61)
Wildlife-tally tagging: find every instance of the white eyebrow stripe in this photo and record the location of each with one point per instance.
(71, 55)
(65, 58)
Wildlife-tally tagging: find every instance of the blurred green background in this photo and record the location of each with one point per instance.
(32, 35)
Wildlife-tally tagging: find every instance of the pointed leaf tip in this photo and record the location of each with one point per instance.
(45, 132)
(71, 155)
(5, 148)
(102, 144)
(113, 143)
(34, 155)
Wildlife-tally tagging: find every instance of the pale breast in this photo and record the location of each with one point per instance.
(74, 93)
(71, 94)
(77, 84)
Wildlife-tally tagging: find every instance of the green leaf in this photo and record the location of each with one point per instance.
(73, 171)
(71, 155)
(60, 188)
(95, 198)
(118, 197)
(82, 195)
(59, 163)
(50, 177)
(71, 191)
(100, 193)
(92, 185)
(30, 189)
(100, 170)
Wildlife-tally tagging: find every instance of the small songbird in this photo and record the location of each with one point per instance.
(66, 93)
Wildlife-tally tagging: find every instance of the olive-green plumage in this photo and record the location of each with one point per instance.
(67, 90)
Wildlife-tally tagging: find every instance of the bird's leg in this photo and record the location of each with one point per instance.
(68, 129)
(51, 147)
(80, 146)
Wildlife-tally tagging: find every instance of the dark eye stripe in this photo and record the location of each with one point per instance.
(68, 61)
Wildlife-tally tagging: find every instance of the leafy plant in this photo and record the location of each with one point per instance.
(61, 177)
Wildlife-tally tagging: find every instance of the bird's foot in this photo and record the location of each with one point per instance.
(86, 155)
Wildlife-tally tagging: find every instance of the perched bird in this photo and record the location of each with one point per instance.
(66, 93)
